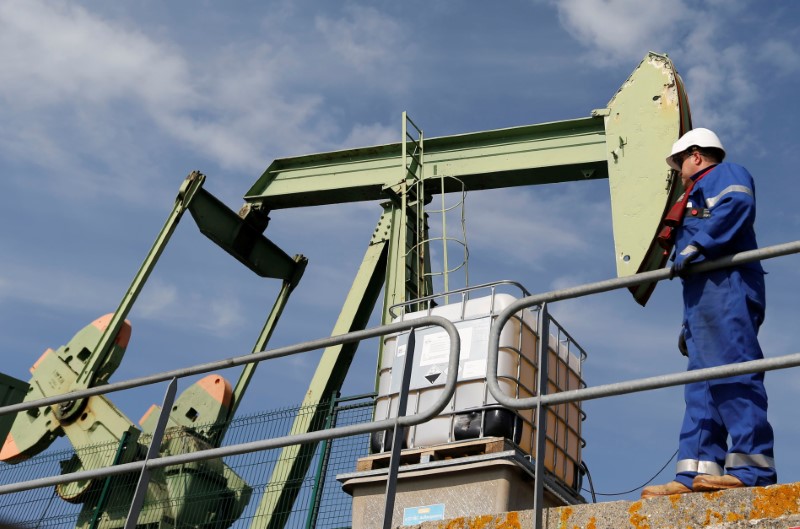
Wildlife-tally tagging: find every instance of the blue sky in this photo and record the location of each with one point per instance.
(106, 107)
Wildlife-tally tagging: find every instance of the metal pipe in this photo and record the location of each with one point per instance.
(674, 379)
(459, 291)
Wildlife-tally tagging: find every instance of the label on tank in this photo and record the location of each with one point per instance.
(432, 352)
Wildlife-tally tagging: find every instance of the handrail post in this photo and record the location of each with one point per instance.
(152, 452)
(398, 434)
(541, 415)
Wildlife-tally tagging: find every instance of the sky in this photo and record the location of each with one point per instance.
(106, 107)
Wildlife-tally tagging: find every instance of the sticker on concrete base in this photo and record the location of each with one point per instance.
(427, 513)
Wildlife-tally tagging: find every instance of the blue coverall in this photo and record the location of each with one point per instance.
(723, 311)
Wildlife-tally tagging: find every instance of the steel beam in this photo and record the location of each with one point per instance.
(625, 142)
(534, 154)
(240, 238)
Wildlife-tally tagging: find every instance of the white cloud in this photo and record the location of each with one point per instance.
(781, 54)
(221, 315)
(621, 29)
(70, 73)
(56, 52)
(730, 6)
(54, 287)
(215, 313)
(159, 298)
(718, 71)
(364, 39)
(374, 134)
(720, 84)
(247, 108)
(99, 99)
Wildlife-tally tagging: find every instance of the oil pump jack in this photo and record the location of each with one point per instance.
(623, 142)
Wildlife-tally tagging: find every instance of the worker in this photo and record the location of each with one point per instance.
(723, 310)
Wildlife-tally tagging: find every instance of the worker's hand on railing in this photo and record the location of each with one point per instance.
(682, 260)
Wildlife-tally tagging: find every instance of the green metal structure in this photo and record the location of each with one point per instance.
(623, 143)
(95, 352)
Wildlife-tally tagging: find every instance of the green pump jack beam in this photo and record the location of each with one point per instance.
(625, 142)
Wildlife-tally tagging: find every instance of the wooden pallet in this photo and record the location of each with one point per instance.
(412, 456)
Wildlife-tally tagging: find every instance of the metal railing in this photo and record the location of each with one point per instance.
(541, 401)
(538, 402)
(321, 503)
(155, 462)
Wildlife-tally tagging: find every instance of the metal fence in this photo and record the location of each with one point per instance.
(321, 503)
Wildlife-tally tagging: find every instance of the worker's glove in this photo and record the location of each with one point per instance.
(682, 260)
(682, 343)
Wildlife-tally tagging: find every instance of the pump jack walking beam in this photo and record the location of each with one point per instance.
(624, 143)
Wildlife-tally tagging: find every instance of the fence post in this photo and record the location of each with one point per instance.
(322, 465)
(98, 509)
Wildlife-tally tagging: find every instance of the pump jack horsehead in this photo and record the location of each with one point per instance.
(621, 142)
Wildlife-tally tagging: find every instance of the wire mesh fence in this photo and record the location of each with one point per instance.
(208, 494)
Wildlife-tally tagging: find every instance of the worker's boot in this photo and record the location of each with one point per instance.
(668, 489)
(706, 483)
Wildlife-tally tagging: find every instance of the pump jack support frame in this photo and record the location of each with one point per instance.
(623, 143)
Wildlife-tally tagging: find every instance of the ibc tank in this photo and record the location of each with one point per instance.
(472, 411)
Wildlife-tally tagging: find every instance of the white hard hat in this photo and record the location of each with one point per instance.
(695, 137)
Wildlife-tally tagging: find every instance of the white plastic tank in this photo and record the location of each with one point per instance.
(473, 412)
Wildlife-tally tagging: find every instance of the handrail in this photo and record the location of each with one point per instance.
(619, 388)
(635, 385)
(236, 361)
(266, 444)
(662, 381)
